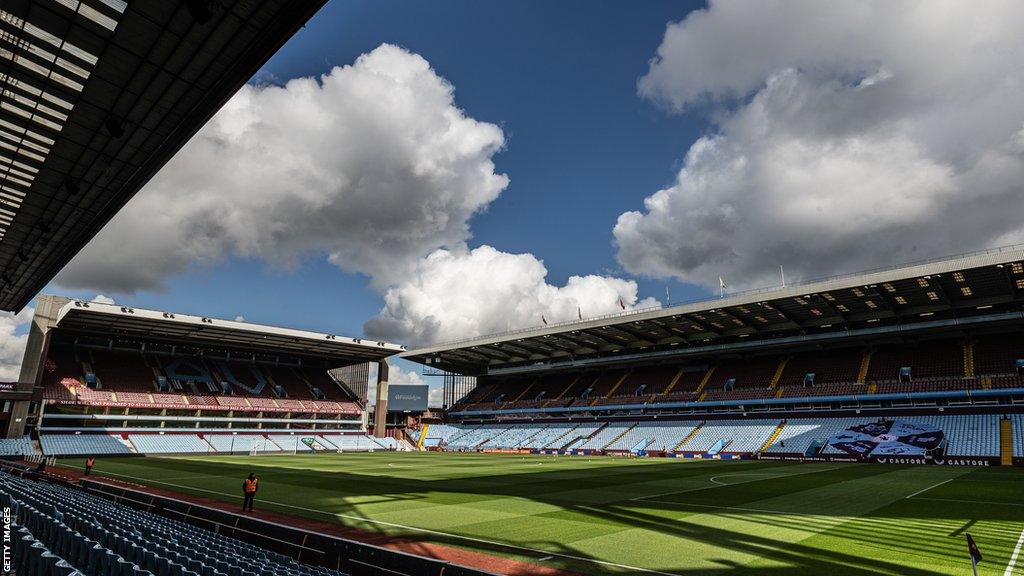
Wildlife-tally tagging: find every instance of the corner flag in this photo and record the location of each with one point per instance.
(972, 549)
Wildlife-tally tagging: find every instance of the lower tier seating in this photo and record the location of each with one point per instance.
(169, 443)
(63, 531)
(16, 447)
(81, 444)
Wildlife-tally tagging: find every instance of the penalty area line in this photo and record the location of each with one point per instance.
(533, 551)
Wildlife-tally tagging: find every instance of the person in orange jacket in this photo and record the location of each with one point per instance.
(89, 463)
(249, 487)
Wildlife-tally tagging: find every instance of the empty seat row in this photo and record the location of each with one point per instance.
(60, 531)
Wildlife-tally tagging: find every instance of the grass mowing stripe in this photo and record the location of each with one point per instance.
(930, 487)
(1013, 557)
(718, 485)
(413, 528)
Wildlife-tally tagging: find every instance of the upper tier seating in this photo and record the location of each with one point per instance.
(81, 444)
(998, 354)
(64, 531)
(748, 373)
(939, 359)
(828, 366)
(129, 380)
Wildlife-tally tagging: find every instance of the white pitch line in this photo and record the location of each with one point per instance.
(415, 529)
(970, 501)
(719, 484)
(1013, 558)
(930, 487)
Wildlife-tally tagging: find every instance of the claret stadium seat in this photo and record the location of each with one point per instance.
(60, 531)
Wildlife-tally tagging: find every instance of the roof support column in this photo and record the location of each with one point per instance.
(380, 417)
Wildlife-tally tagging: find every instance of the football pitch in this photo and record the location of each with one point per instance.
(606, 515)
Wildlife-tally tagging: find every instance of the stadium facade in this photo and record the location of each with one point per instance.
(889, 350)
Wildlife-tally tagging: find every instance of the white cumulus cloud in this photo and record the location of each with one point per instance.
(461, 293)
(13, 337)
(845, 136)
(372, 164)
(101, 299)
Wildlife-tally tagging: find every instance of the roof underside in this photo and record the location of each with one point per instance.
(970, 286)
(96, 96)
(112, 321)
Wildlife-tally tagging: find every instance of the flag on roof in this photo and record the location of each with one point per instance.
(543, 319)
(622, 304)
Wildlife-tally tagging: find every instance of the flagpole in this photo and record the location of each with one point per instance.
(783, 274)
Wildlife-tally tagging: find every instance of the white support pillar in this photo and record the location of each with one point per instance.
(380, 418)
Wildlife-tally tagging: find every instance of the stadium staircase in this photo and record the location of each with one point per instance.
(704, 382)
(778, 373)
(774, 436)
(611, 392)
(423, 435)
(969, 359)
(865, 363)
(672, 384)
(689, 436)
(525, 390)
(567, 388)
(1006, 442)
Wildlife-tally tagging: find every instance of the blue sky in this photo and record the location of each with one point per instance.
(559, 78)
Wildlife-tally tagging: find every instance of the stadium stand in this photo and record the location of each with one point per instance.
(64, 531)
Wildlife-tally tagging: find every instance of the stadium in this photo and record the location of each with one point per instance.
(865, 423)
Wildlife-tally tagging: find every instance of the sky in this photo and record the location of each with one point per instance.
(424, 172)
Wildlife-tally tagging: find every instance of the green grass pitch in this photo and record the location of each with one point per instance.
(605, 515)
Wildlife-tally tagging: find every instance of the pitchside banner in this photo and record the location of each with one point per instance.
(407, 397)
